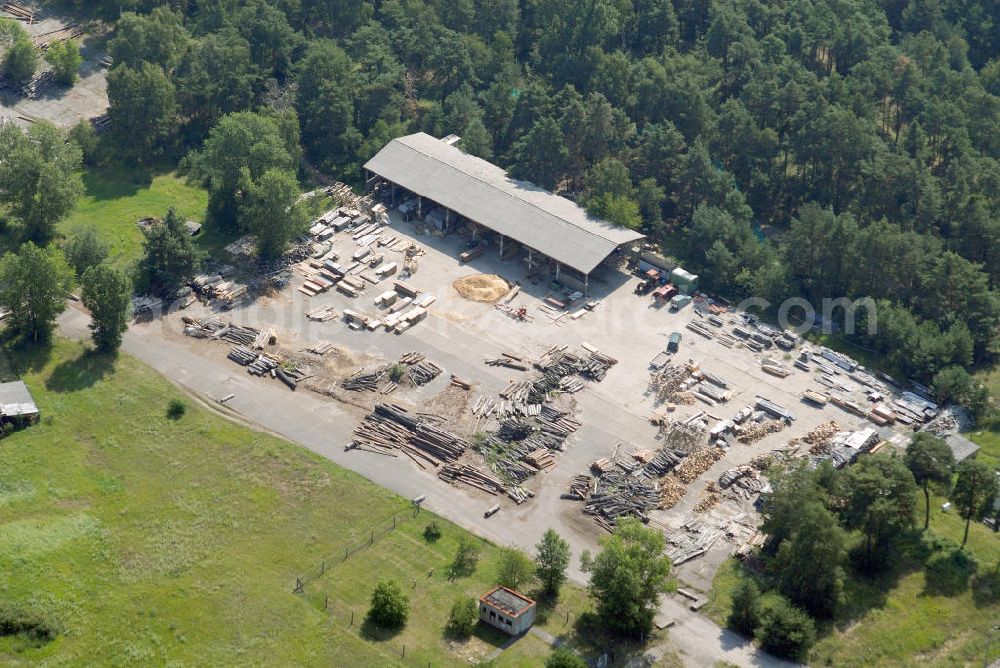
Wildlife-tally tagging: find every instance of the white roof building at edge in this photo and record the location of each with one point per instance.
(484, 193)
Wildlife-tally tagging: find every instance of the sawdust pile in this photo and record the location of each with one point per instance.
(482, 287)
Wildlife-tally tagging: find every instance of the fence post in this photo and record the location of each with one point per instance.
(393, 521)
(352, 618)
(346, 553)
(404, 651)
(371, 540)
(326, 602)
(322, 569)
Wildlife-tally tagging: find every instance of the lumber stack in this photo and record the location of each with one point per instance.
(541, 459)
(20, 12)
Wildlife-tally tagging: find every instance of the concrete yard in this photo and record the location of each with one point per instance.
(458, 335)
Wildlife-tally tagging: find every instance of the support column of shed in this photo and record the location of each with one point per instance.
(501, 246)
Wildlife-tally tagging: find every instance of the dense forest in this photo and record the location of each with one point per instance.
(818, 148)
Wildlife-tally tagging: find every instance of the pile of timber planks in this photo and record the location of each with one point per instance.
(541, 459)
(20, 12)
(321, 347)
(323, 314)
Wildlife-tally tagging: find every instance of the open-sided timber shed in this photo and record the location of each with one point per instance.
(481, 192)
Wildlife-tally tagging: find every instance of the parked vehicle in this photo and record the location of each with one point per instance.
(679, 302)
(664, 293)
(674, 342)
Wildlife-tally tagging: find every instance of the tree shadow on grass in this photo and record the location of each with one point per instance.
(378, 633)
(82, 372)
(948, 573)
(986, 588)
(115, 183)
(26, 356)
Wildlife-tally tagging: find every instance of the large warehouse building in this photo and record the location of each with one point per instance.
(453, 186)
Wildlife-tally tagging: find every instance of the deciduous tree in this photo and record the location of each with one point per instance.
(270, 211)
(786, 631)
(811, 563)
(39, 177)
(33, 286)
(142, 110)
(627, 577)
(390, 607)
(65, 59)
(747, 609)
(515, 569)
(240, 148)
(552, 559)
(20, 62)
(85, 249)
(107, 293)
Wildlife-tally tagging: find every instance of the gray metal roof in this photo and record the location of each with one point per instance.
(16, 400)
(508, 600)
(482, 192)
(960, 446)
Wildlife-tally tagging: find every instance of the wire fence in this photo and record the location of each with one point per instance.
(343, 615)
(362, 542)
(354, 621)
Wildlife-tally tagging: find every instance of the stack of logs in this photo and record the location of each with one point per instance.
(628, 487)
(391, 428)
(472, 476)
(418, 371)
(666, 381)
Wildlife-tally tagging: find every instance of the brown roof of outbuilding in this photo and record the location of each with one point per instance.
(508, 601)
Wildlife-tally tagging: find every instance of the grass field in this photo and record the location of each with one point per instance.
(934, 616)
(151, 541)
(114, 199)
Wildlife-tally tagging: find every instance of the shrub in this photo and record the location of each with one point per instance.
(786, 631)
(563, 657)
(396, 372)
(390, 606)
(746, 612)
(20, 622)
(465, 558)
(176, 409)
(463, 617)
(432, 532)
